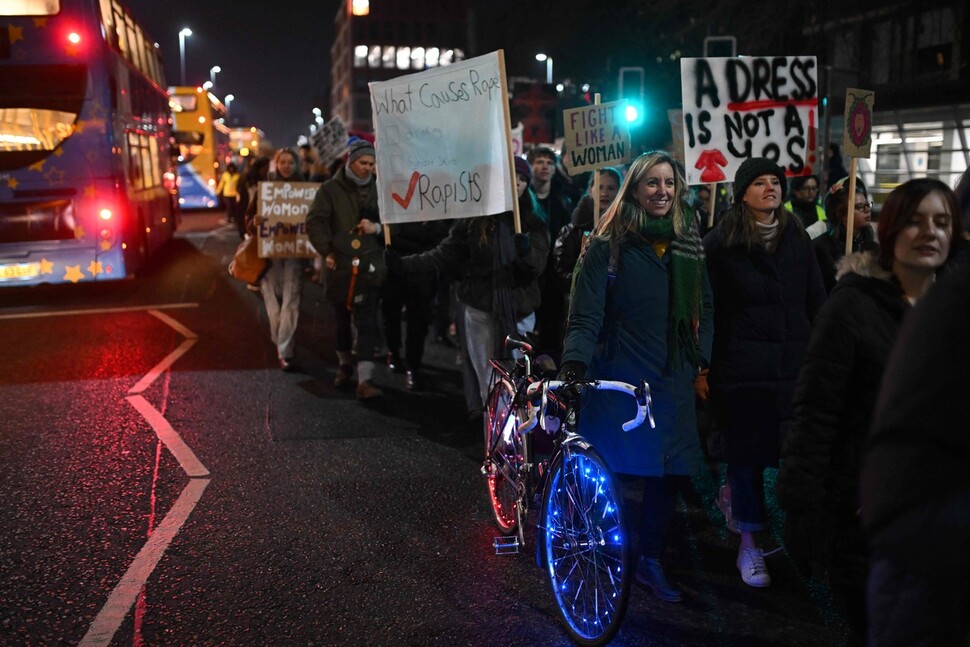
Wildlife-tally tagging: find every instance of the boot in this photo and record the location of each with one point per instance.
(651, 575)
(344, 373)
(367, 391)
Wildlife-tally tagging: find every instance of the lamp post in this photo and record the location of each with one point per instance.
(215, 69)
(548, 59)
(229, 98)
(183, 34)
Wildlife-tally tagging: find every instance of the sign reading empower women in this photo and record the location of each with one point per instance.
(442, 142)
(737, 108)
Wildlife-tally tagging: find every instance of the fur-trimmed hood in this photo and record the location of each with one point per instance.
(864, 264)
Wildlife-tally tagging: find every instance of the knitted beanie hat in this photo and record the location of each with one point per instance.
(523, 168)
(753, 168)
(359, 148)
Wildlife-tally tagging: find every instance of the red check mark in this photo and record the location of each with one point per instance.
(406, 200)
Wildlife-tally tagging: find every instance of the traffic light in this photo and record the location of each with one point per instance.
(631, 89)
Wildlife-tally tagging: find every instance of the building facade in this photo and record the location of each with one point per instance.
(382, 39)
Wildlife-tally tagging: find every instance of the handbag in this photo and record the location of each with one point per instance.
(246, 265)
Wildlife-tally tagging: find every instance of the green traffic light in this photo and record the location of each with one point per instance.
(632, 114)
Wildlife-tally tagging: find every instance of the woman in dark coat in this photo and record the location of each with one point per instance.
(767, 290)
(818, 483)
(830, 246)
(569, 243)
(655, 323)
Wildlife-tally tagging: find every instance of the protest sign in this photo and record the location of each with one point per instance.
(738, 108)
(330, 141)
(443, 143)
(858, 122)
(518, 145)
(595, 136)
(283, 207)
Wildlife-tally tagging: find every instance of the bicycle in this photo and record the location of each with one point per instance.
(582, 542)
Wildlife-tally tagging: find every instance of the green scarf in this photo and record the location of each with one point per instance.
(686, 280)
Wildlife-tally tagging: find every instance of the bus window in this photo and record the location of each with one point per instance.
(148, 168)
(31, 7)
(119, 22)
(156, 170)
(183, 102)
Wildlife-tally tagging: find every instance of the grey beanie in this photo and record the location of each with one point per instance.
(753, 168)
(358, 148)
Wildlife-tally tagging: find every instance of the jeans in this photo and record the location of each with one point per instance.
(747, 496)
(280, 288)
(479, 340)
(362, 323)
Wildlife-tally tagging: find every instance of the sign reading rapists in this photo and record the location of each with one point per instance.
(737, 108)
(282, 210)
(441, 143)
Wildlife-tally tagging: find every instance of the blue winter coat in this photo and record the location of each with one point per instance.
(629, 344)
(764, 304)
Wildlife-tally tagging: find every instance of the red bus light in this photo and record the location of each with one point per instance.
(74, 38)
(105, 214)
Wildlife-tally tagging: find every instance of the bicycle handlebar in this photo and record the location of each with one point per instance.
(640, 393)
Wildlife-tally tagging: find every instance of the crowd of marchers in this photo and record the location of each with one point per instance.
(835, 362)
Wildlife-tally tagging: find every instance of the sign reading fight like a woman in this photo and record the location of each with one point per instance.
(738, 108)
(442, 142)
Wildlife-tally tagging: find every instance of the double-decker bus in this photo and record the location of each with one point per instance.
(203, 143)
(245, 144)
(87, 176)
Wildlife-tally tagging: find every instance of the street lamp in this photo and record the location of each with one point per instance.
(215, 69)
(229, 98)
(207, 85)
(183, 34)
(548, 59)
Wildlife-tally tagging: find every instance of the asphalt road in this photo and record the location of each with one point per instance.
(162, 482)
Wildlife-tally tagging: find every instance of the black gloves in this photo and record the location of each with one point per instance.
(571, 371)
(522, 245)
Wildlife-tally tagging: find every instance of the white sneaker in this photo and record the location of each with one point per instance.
(754, 572)
(724, 505)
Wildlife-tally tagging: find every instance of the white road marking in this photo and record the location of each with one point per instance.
(119, 603)
(160, 368)
(98, 311)
(185, 456)
(124, 595)
(182, 330)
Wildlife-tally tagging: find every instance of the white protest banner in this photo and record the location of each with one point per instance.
(330, 140)
(442, 142)
(596, 136)
(283, 206)
(737, 108)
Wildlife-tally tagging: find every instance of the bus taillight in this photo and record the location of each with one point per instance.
(105, 214)
(74, 38)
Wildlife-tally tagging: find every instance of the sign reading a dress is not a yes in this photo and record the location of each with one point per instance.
(738, 108)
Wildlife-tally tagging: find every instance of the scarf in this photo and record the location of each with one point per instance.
(769, 233)
(686, 281)
(350, 175)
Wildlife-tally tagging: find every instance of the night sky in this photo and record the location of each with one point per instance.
(275, 56)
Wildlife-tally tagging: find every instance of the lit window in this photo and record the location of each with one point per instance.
(374, 58)
(459, 55)
(360, 7)
(431, 57)
(403, 58)
(417, 58)
(389, 54)
(448, 57)
(360, 56)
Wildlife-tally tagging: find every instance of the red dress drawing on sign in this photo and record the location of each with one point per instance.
(711, 161)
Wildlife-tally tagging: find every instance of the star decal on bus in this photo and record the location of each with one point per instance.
(78, 232)
(95, 268)
(12, 182)
(73, 273)
(105, 246)
(37, 166)
(40, 22)
(16, 33)
(46, 267)
(54, 176)
(89, 192)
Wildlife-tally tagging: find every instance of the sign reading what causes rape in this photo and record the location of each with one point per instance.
(738, 108)
(596, 136)
(442, 143)
(284, 206)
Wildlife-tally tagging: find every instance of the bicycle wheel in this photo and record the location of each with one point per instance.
(586, 549)
(503, 456)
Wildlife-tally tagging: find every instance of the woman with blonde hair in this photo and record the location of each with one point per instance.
(641, 309)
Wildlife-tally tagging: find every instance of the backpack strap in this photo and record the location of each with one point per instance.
(613, 267)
